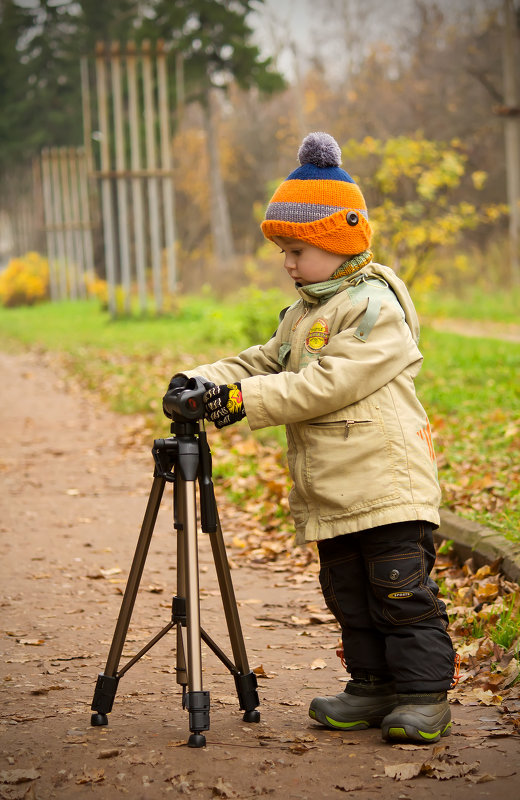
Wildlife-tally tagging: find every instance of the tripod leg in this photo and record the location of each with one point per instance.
(106, 685)
(246, 681)
(197, 701)
(182, 644)
(180, 599)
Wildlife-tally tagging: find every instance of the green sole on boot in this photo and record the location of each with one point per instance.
(357, 725)
(415, 735)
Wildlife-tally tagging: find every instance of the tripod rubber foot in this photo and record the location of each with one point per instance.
(98, 719)
(197, 740)
(251, 716)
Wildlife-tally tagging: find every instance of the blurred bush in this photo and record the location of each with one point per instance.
(25, 281)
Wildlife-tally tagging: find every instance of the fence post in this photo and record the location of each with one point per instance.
(151, 164)
(84, 212)
(67, 220)
(135, 165)
(122, 202)
(167, 182)
(58, 222)
(50, 232)
(106, 191)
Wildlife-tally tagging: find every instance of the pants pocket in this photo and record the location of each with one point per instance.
(403, 589)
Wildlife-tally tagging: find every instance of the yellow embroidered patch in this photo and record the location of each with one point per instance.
(317, 337)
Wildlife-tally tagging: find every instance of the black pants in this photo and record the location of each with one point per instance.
(377, 584)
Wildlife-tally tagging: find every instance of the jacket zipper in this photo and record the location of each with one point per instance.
(302, 316)
(348, 424)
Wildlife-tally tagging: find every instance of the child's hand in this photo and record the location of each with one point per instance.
(224, 404)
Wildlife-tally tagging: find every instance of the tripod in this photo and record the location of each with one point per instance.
(182, 460)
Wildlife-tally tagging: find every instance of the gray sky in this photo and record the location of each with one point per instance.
(340, 30)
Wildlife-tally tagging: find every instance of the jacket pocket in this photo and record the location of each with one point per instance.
(348, 424)
(348, 465)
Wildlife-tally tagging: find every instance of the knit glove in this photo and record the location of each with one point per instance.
(224, 404)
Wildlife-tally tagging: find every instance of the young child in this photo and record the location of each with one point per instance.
(339, 373)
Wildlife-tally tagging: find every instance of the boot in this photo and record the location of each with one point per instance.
(418, 717)
(362, 704)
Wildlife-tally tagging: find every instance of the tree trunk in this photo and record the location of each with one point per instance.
(512, 134)
(223, 247)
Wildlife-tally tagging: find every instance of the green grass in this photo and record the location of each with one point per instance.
(471, 390)
(197, 324)
(472, 303)
(469, 386)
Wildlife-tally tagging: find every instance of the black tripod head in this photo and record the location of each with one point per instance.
(186, 404)
(188, 450)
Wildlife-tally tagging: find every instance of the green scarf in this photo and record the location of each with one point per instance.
(326, 289)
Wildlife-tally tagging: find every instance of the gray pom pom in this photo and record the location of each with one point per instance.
(320, 149)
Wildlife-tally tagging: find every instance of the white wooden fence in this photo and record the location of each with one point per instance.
(119, 184)
(67, 225)
(128, 117)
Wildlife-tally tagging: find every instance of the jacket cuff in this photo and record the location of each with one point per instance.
(256, 412)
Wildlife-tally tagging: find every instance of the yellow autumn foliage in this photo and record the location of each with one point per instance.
(98, 288)
(432, 176)
(25, 281)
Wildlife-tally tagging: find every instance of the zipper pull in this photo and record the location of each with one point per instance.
(350, 422)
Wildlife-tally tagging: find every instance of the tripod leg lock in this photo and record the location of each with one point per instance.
(104, 693)
(246, 686)
(197, 703)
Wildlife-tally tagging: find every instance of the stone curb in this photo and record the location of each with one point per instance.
(483, 544)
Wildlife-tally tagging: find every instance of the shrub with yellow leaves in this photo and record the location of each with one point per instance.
(25, 281)
(415, 192)
(98, 288)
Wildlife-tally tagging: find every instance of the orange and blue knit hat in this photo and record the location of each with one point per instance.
(319, 202)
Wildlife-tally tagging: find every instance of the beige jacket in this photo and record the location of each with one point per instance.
(339, 373)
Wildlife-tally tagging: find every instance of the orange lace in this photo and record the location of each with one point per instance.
(456, 677)
(340, 653)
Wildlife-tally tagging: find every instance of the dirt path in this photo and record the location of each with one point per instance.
(72, 505)
(506, 332)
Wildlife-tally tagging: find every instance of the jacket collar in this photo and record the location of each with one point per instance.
(315, 293)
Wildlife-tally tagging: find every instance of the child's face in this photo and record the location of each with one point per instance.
(306, 263)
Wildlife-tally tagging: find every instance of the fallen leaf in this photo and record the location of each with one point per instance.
(31, 642)
(221, 789)
(510, 673)
(261, 673)
(441, 765)
(183, 785)
(437, 768)
(402, 772)
(488, 591)
(96, 776)
(488, 698)
(46, 689)
(318, 663)
(299, 749)
(480, 778)
(14, 776)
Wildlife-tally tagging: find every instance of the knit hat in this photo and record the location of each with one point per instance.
(319, 202)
